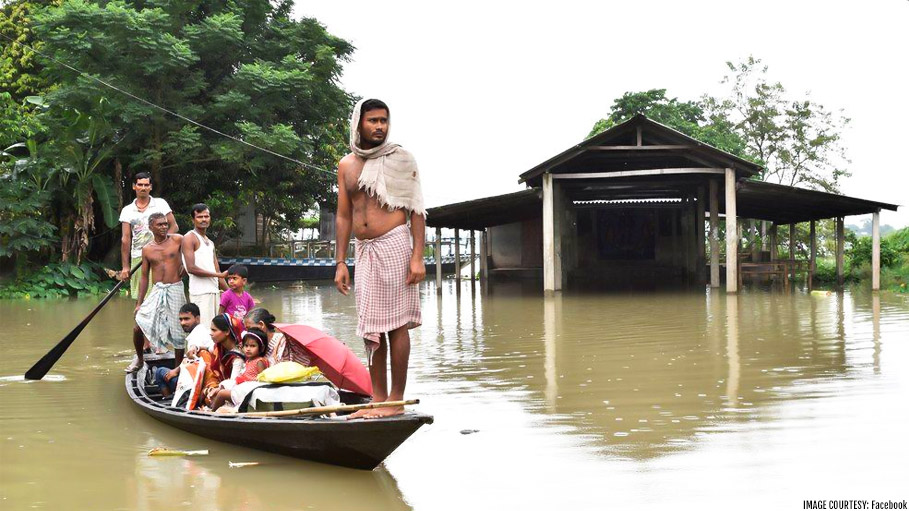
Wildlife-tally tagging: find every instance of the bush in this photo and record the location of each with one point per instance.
(57, 280)
(825, 271)
(860, 252)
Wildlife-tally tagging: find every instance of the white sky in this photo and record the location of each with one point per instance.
(483, 91)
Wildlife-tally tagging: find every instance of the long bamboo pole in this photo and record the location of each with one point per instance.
(321, 410)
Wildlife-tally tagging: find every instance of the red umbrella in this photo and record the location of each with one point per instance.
(340, 365)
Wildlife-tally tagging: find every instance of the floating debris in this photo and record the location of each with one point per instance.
(163, 451)
(469, 431)
(242, 464)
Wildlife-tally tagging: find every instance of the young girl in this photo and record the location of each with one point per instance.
(254, 345)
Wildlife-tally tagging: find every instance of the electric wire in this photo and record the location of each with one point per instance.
(161, 108)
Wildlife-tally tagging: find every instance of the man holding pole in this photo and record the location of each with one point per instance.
(158, 315)
(378, 193)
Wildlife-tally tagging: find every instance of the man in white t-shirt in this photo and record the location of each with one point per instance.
(206, 280)
(135, 232)
(199, 334)
(199, 338)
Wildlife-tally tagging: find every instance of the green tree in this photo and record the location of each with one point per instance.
(20, 73)
(797, 141)
(689, 117)
(82, 148)
(242, 67)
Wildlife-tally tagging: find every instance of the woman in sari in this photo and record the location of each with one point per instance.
(224, 362)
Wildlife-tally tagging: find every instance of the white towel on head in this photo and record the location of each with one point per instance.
(390, 173)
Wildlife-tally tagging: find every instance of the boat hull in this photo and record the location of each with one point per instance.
(361, 444)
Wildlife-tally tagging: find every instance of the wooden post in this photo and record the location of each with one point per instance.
(699, 230)
(552, 268)
(691, 244)
(686, 237)
(732, 249)
(792, 250)
(714, 235)
(484, 255)
(840, 251)
(876, 250)
(473, 257)
(438, 254)
(764, 228)
(458, 258)
(812, 257)
(755, 230)
(774, 243)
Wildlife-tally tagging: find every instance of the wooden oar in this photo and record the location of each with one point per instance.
(320, 410)
(44, 365)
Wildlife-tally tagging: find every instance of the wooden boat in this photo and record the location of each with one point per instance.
(361, 443)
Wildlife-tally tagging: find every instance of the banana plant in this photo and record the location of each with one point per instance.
(86, 144)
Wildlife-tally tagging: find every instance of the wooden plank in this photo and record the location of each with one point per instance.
(732, 252)
(638, 173)
(637, 148)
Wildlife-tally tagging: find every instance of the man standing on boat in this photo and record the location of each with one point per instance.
(206, 279)
(378, 193)
(135, 228)
(157, 317)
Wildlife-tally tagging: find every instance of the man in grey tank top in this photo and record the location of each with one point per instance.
(206, 280)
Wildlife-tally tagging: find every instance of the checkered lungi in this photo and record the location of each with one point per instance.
(385, 302)
(158, 315)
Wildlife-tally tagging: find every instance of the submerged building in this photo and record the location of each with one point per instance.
(643, 203)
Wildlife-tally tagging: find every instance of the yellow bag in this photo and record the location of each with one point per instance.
(288, 372)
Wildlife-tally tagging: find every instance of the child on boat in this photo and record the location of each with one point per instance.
(236, 301)
(254, 348)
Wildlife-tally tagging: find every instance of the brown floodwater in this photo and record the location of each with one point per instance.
(574, 401)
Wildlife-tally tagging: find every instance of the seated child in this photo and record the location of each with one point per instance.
(254, 347)
(236, 301)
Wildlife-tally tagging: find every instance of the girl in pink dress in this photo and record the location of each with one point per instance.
(253, 343)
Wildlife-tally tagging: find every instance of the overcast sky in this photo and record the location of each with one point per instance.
(483, 91)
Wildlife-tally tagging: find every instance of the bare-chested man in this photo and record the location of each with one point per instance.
(158, 315)
(378, 192)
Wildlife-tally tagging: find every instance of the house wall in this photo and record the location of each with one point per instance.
(516, 245)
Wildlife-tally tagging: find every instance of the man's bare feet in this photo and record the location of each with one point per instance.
(376, 413)
(388, 411)
(359, 414)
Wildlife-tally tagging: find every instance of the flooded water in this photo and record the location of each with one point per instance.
(575, 401)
